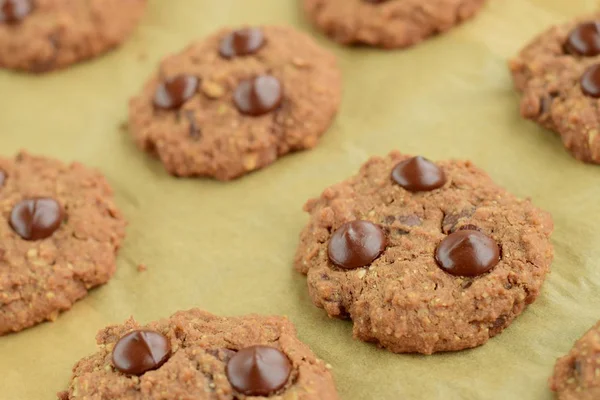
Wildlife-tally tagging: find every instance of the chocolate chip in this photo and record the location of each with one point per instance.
(221, 354)
(242, 42)
(546, 104)
(173, 92)
(356, 244)
(577, 367)
(14, 11)
(36, 218)
(467, 253)
(258, 96)
(584, 40)
(389, 219)
(2, 178)
(418, 174)
(141, 351)
(451, 220)
(409, 220)
(258, 370)
(590, 81)
(469, 227)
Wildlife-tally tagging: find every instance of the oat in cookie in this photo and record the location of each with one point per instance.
(199, 356)
(236, 101)
(44, 35)
(423, 257)
(388, 23)
(558, 75)
(577, 375)
(60, 235)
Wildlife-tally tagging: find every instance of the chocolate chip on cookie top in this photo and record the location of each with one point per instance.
(36, 218)
(258, 370)
(584, 40)
(242, 42)
(467, 253)
(173, 92)
(356, 244)
(590, 81)
(14, 11)
(418, 174)
(141, 351)
(259, 95)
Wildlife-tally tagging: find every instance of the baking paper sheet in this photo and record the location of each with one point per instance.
(228, 247)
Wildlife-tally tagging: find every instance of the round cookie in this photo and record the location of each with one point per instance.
(423, 257)
(576, 375)
(59, 237)
(558, 75)
(236, 101)
(388, 23)
(196, 355)
(44, 35)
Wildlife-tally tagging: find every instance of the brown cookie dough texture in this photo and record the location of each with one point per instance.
(41, 277)
(201, 347)
(388, 23)
(549, 75)
(577, 375)
(403, 300)
(57, 33)
(208, 135)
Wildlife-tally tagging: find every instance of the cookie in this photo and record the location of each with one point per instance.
(44, 35)
(388, 23)
(577, 375)
(199, 356)
(59, 235)
(236, 101)
(558, 74)
(423, 257)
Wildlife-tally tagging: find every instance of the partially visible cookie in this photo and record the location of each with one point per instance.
(423, 257)
(59, 234)
(558, 74)
(577, 375)
(388, 23)
(43, 35)
(236, 101)
(200, 356)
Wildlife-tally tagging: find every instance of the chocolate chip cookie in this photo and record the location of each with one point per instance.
(43, 35)
(236, 101)
(388, 23)
(558, 74)
(422, 256)
(60, 232)
(577, 375)
(196, 355)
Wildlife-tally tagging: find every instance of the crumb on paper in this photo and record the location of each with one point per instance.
(142, 268)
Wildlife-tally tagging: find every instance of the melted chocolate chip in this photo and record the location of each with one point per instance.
(590, 81)
(258, 370)
(172, 93)
(14, 11)
(258, 96)
(242, 42)
(141, 351)
(356, 244)
(467, 253)
(584, 40)
(36, 218)
(418, 175)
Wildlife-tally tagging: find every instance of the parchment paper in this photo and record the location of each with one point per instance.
(228, 247)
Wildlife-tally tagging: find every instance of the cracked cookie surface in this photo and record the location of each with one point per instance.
(577, 375)
(44, 35)
(220, 111)
(388, 23)
(403, 300)
(50, 257)
(199, 366)
(548, 72)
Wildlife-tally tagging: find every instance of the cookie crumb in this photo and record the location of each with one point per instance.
(142, 268)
